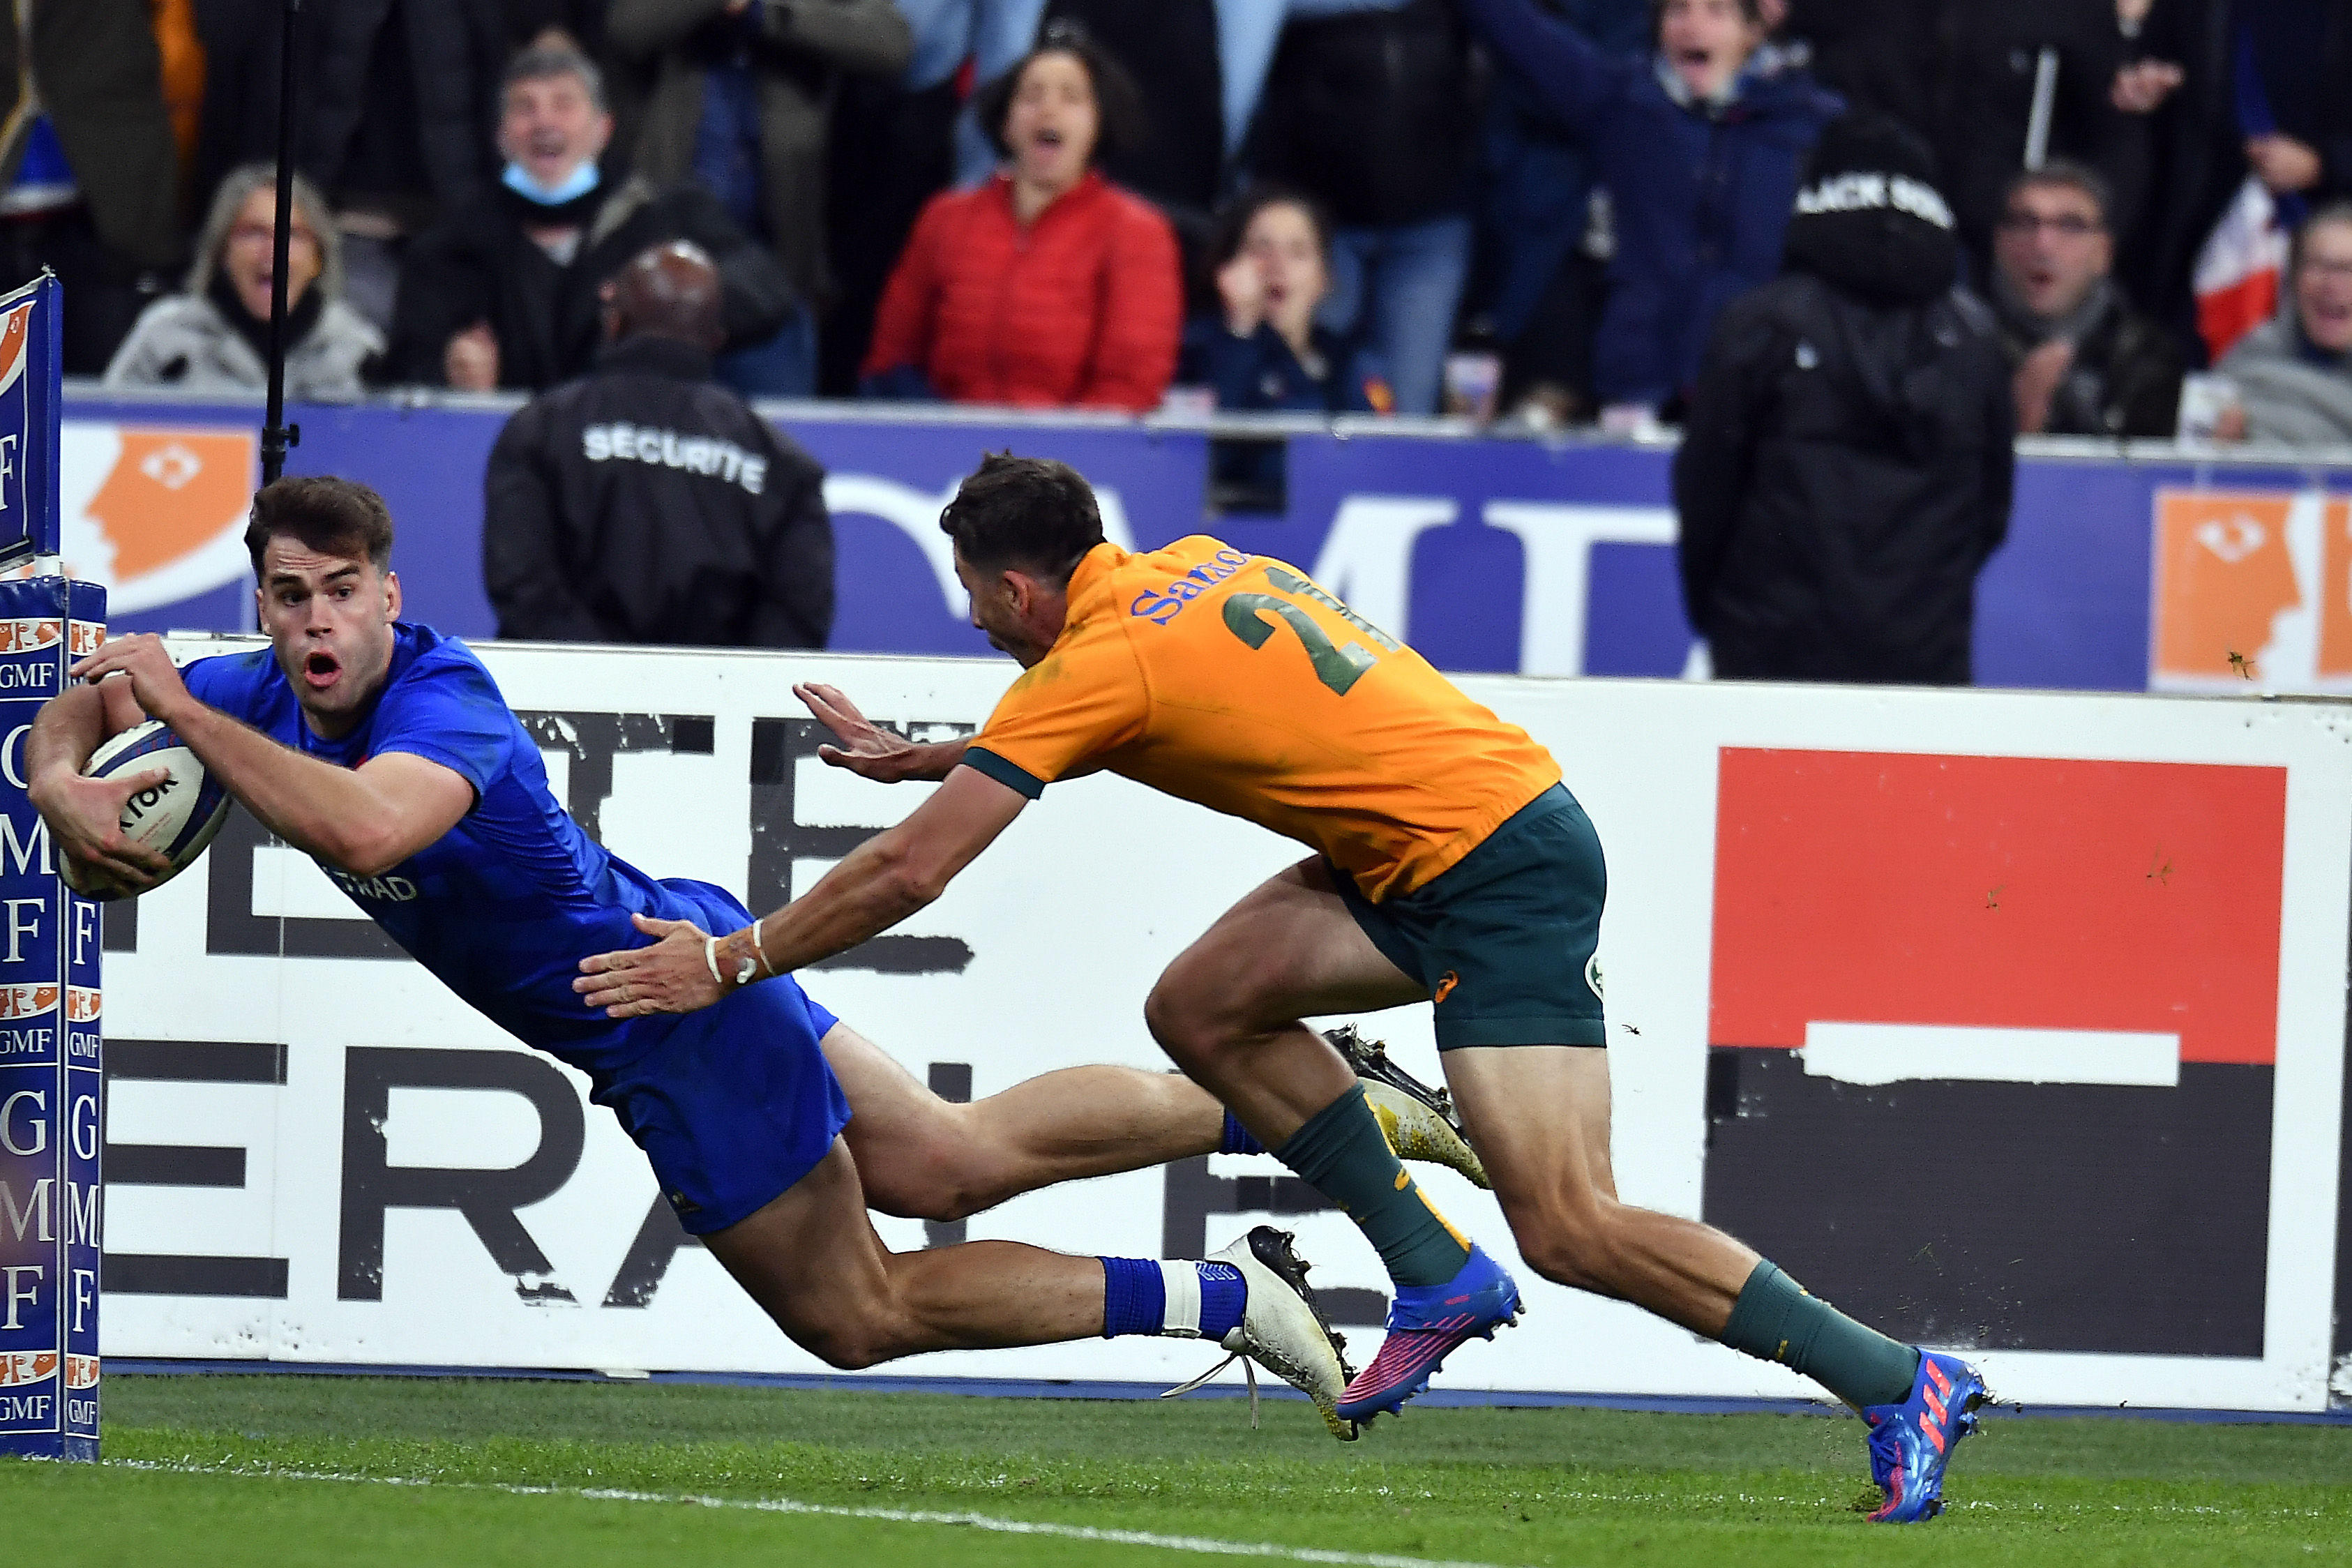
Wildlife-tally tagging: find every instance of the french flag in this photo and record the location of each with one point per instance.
(2238, 272)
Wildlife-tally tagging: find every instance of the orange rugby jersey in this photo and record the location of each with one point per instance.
(1233, 680)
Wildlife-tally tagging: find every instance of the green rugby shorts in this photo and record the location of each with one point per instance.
(1504, 937)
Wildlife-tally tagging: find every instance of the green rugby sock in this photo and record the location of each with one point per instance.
(1775, 1320)
(1342, 1153)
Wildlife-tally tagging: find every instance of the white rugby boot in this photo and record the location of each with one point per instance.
(1282, 1329)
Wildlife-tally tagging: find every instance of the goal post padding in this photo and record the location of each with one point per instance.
(52, 1083)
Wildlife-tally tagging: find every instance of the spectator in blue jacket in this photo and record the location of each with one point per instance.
(1700, 147)
(1261, 350)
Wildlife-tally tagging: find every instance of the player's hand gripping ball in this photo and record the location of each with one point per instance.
(164, 802)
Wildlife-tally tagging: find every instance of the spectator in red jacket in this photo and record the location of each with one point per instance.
(1048, 285)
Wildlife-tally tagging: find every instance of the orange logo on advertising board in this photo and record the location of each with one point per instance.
(81, 1371)
(2253, 590)
(156, 514)
(27, 1001)
(81, 1003)
(83, 638)
(26, 1366)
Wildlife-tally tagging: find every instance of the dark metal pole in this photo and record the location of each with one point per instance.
(277, 436)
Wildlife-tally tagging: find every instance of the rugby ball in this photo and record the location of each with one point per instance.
(178, 817)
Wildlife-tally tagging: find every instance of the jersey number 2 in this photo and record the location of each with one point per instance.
(1337, 668)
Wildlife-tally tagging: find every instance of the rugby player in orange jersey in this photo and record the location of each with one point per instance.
(1451, 866)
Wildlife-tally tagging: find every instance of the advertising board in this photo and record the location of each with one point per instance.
(2066, 971)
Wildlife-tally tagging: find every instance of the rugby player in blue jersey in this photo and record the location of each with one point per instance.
(386, 752)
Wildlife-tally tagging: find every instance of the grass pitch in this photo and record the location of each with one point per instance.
(345, 1472)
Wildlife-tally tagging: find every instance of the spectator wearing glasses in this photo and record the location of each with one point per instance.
(2295, 374)
(2084, 363)
(1047, 287)
(1699, 145)
(1963, 75)
(213, 336)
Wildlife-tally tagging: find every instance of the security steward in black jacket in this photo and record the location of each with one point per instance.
(1847, 460)
(645, 503)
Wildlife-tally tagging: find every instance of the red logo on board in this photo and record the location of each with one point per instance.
(1998, 892)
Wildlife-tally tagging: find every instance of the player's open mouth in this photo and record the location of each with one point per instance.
(320, 670)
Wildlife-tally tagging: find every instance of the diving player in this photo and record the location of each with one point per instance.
(1452, 865)
(380, 747)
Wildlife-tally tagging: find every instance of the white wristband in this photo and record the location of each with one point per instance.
(710, 957)
(760, 946)
(743, 972)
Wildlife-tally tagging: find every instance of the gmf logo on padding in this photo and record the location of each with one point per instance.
(27, 1001)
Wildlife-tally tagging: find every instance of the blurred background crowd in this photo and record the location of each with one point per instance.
(1529, 210)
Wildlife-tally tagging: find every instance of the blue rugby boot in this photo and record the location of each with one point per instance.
(1912, 1441)
(1426, 1324)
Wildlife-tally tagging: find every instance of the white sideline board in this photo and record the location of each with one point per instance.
(1069, 918)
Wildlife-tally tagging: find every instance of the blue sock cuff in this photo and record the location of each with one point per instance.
(1223, 1294)
(1135, 1297)
(1238, 1138)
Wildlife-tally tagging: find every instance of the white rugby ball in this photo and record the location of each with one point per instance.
(178, 817)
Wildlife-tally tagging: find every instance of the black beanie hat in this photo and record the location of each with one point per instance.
(1868, 217)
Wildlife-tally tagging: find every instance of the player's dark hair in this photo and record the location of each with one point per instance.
(1027, 512)
(331, 515)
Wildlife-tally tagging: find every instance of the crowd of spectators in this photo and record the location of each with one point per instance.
(1382, 205)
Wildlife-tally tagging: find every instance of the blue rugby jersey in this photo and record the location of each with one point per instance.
(504, 906)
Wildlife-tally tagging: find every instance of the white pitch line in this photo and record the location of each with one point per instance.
(1200, 1544)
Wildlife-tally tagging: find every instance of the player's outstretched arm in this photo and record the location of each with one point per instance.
(881, 882)
(867, 749)
(85, 814)
(365, 821)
